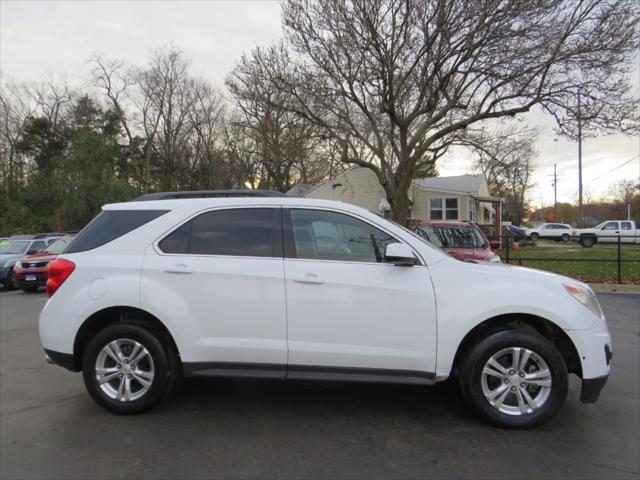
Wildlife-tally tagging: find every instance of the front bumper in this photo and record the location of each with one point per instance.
(39, 279)
(591, 388)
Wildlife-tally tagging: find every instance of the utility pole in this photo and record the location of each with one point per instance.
(580, 208)
(555, 190)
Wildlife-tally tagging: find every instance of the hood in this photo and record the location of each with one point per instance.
(532, 275)
(480, 254)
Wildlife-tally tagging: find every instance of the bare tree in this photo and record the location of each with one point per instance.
(397, 78)
(113, 79)
(173, 121)
(283, 141)
(505, 156)
(14, 109)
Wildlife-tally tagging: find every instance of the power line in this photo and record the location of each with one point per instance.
(614, 169)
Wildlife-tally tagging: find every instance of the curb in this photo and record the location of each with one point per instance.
(615, 288)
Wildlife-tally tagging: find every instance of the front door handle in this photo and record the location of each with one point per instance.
(311, 278)
(179, 268)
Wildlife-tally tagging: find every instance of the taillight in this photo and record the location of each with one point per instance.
(59, 271)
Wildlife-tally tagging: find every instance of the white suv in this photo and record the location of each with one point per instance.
(304, 289)
(553, 231)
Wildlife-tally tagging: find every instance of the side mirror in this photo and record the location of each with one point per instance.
(399, 254)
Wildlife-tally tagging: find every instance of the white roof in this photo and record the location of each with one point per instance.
(458, 183)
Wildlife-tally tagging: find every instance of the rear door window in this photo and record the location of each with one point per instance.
(109, 225)
(244, 232)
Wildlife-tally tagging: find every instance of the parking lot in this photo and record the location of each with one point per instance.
(50, 428)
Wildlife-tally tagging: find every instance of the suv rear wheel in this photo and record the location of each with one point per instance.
(126, 369)
(514, 379)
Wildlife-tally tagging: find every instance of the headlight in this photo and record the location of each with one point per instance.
(586, 297)
(19, 264)
(495, 259)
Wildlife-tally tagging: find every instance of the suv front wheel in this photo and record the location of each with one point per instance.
(126, 369)
(514, 379)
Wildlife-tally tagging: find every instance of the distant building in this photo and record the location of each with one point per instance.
(456, 198)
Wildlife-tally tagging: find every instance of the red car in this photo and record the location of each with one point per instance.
(32, 271)
(462, 240)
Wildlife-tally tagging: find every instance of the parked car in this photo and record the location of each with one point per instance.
(306, 289)
(518, 232)
(608, 231)
(553, 231)
(16, 247)
(31, 272)
(462, 240)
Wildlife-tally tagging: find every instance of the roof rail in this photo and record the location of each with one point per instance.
(207, 194)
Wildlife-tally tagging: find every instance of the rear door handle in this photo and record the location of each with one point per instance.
(179, 268)
(311, 278)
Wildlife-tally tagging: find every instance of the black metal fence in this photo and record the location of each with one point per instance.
(626, 251)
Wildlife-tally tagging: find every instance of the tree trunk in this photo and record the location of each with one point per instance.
(399, 199)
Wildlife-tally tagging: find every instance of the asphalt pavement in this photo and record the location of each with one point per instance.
(50, 428)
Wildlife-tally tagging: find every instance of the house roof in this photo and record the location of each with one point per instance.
(458, 183)
(303, 189)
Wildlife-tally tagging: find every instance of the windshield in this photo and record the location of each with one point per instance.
(14, 246)
(57, 246)
(453, 237)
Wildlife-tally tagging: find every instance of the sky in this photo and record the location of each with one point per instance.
(56, 38)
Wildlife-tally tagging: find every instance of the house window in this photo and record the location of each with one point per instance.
(443, 209)
(472, 210)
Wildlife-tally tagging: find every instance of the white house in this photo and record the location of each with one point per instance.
(461, 197)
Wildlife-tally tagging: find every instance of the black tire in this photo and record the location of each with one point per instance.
(534, 237)
(471, 371)
(162, 377)
(565, 237)
(587, 242)
(29, 289)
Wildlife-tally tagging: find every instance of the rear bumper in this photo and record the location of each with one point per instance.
(591, 388)
(65, 360)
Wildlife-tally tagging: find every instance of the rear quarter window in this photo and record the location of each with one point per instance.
(109, 225)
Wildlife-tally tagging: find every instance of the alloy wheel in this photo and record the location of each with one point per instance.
(516, 381)
(124, 370)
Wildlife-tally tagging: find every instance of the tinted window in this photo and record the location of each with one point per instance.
(334, 236)
(109, 225)
(246, 232)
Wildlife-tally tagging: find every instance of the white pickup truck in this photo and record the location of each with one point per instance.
(608, 231)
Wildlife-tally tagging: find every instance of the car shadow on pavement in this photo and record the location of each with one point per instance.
(281, 398)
